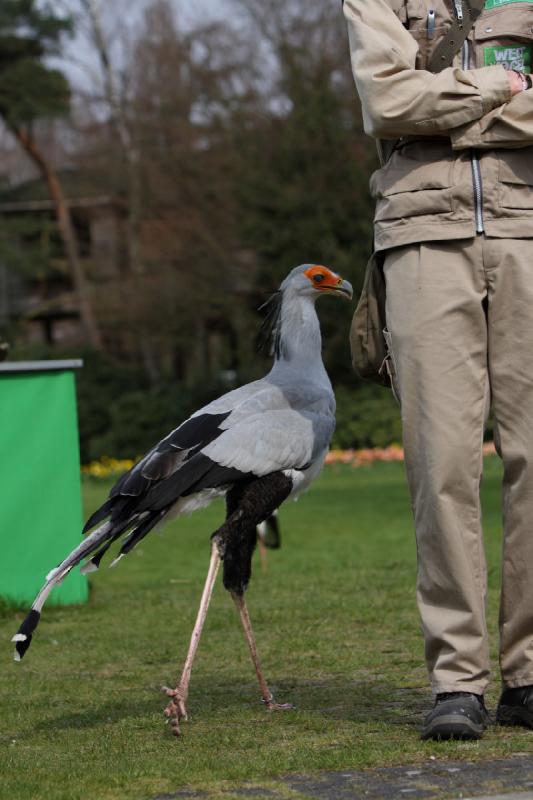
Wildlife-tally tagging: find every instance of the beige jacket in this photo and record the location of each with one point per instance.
(464, 163)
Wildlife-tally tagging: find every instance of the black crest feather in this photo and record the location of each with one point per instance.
(269, 339)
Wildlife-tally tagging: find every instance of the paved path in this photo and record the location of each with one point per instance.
(504, 779)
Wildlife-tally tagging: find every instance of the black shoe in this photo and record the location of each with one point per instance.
(516, 707)
(456, 715)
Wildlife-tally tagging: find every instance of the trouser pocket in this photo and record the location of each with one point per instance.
(389, 366)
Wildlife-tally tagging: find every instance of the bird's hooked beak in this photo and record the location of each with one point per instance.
(345, 288)
(325, 280)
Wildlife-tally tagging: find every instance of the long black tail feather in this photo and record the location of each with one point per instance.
(94, 563)
(91, 543)
(24, 634)
(97, 543)
(141, 531)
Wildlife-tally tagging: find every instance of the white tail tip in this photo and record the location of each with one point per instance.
(16, 656)
(117, 559)
(19, 637)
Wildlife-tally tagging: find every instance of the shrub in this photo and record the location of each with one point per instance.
(139, 419)
(367, 416)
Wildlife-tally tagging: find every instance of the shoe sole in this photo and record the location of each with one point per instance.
(514, 715)
(451, 727)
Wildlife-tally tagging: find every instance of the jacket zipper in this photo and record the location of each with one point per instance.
(458, 8)
(477, 180)
(478, 192)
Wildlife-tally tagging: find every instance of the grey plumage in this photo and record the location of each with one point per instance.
(282, 423)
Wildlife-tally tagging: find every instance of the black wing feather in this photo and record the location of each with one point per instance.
(200, 472)
(172, 469)
(98, 515)
(194, 432)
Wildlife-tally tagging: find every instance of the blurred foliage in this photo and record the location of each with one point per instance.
(367, 416)
(122, 415)
(232, 152)
(303, 185)
(125, 424)
(29, 245)
(29, 88)
(139, 419)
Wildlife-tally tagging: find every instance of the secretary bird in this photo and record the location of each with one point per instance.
(257, 446)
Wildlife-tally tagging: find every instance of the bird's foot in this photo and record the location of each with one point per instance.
(271, 705)
(176, 711)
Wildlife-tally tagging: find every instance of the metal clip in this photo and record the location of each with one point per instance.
(458, 8)
(431, 23)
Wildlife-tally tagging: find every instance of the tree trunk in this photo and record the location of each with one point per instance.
(67, 233)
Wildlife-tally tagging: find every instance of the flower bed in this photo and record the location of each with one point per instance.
(361, 458)
(113, 467)
(107, 467)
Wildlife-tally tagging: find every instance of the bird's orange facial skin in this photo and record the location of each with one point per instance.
(322, 278)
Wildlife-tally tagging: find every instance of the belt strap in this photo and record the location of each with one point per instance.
(454, 39)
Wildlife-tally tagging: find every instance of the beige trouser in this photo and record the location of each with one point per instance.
(460, 316)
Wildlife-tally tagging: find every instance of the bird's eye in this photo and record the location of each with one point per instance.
(318, 278)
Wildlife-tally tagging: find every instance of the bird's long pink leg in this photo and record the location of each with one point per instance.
(268, 699)
(263, 555)
(176, 709)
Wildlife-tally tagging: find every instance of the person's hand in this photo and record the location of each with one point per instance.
(515, 81)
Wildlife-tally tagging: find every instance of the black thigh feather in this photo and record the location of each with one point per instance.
(248, 504)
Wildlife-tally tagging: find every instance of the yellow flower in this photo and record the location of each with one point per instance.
(107, 467)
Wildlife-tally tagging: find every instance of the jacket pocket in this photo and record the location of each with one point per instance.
(427, 44)
(513, 19)
(505, 36)
(409, 186)
(516, 179)
(407, 10)
(399, 8)
(415, 9)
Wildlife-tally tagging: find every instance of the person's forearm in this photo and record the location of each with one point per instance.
(509, 126)
(399, 100)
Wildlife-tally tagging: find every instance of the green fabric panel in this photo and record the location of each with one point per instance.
(510, 56)
(497, 3)
(40, 510)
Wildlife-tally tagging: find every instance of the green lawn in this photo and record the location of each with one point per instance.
(338, 632)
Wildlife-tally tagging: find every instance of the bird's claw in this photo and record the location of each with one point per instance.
(176, 710)
(270, 705)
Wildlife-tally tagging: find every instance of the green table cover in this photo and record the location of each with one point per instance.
(40, 500)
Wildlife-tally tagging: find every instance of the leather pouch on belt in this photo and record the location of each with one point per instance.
(367, 342)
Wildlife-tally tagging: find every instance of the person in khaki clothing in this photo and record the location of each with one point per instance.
(454, 222)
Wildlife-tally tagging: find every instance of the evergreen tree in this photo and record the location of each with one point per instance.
(31, 90)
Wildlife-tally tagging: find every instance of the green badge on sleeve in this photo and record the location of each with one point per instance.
(510, 57)
(497, 3)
